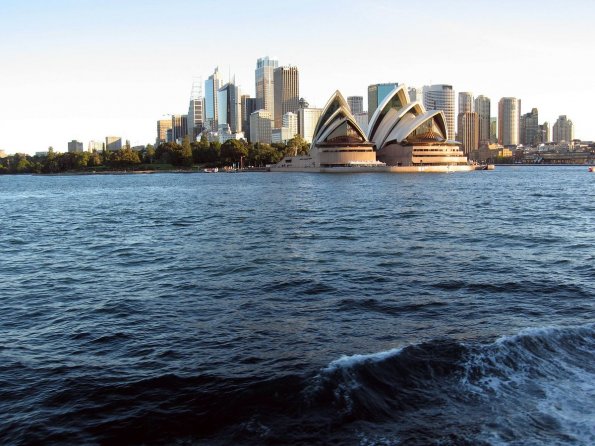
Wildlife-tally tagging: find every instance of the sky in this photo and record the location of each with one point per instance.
(86, 69)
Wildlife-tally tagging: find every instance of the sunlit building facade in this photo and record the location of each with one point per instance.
(563, 130)
(482, 108)
(508, 121)
(441, 97)
(265, 84)
(287, 92)
(307, 120)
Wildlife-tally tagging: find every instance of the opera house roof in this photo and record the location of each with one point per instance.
(397, 120)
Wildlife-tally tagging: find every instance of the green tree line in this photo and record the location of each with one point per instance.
(185, 155)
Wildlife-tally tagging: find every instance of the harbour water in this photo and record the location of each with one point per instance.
(263, 308)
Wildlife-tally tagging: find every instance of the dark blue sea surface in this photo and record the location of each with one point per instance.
(262, 308)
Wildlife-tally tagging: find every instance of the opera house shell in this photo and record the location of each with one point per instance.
(402, 137)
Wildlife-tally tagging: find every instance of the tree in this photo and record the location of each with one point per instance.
(233, 150)
(297, 146)
(50, 164)
(149, 154)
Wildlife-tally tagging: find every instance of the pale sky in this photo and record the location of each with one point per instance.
(86, 69)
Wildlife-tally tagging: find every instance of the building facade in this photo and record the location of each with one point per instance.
(356, 104)
(468, 125)
(247, 108)
(75, 146)
(179, 127)
(286, 92)
(212, 85)
(441, 97)
(563, 130)
(265, 84)
(482, 108)
(229, 108)
(529, 133)
(261, 126)
(113, 143)
(508, 121)
(466, 102)
(307, 120)
(163, 125)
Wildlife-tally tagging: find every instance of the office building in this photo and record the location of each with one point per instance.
(415, 94)
(265, 84)
(356, 104)
(468, 125)
(563, 130)
(290, 122)
(442, 97)
(229, 108)
(529, 134)
(508, 121)
(493, 130)
(307, 120)
(261, 125)
(95, 146)
(195, 111)
(287, 92)
(376, 94)
(248, 107)
(362, 120)
(163, 125)
(212, 85)
(179, 127)
(75, 147)
(544, 133)
(113, 143)
(465, 102)
(482, 108)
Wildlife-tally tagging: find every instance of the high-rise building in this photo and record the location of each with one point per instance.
(248, 107)
(468, 126)
(356, 104)
(529, 128)
(229, 108)
(75, 147)
(261, 125)
(376, 94)
(465, 102)
(287, 92)
(509, 110)
(307, 120)
(212, 85)
(179, 127)
(563, 130)
(265, 84)
(482, 108)
(113, 143)
(442, 97)
(544, 133)
(195, 111)
(163, 125)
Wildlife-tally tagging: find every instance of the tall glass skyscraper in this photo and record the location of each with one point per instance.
(229, 108)
(212, 85)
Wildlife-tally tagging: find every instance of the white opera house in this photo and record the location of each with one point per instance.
(402, 137)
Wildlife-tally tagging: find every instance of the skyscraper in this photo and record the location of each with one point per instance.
(229, 108)
(113, 143)
(195, 111)
(465, 102)
(356, 104)
(265, 84)
(563, 130)
(482, 108)
(468, 131)
(212, 85)
(287, 92)
(75, 146)
(415, 94)
(179, 127)
(508, 121)
(376, 94)
(529, 134)
(442, 97)
(248, 107)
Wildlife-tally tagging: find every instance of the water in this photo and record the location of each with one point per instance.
(298, 308)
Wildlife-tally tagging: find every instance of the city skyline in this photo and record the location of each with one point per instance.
(89, 70)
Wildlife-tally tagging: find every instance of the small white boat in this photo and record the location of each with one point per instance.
(211, 170)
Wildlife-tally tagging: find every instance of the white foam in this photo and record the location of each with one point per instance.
(350, 361)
